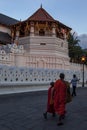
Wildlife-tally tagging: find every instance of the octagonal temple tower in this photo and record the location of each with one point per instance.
(44, 39)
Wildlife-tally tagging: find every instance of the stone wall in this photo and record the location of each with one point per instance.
(13, 55)
(12, 75)
(17, 66)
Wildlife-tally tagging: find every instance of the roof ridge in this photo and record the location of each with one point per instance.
(47, 13)
(38, 13)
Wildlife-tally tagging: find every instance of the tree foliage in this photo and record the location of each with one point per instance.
(75, 51)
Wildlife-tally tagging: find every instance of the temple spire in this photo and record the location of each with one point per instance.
(41, 5)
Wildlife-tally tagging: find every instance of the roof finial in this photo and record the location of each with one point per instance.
(41, 5)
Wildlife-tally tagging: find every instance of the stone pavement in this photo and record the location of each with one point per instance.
(24, 111)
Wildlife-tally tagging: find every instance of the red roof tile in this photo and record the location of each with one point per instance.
(41, 15)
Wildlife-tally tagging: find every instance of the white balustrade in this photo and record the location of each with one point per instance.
(22, 75)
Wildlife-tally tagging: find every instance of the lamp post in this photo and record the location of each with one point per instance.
(83, 61)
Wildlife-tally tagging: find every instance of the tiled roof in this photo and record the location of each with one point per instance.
(7, 20)
(41, 15)
(63, 25)
(5, 37)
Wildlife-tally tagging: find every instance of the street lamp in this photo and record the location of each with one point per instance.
(83, 59)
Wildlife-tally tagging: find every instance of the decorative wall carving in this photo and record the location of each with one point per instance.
(23, 75)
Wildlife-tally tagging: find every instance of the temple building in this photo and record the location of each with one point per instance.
(43, 39)
(5, 32)
(39, 24)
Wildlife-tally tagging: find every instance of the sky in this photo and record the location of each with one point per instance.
(70, 12)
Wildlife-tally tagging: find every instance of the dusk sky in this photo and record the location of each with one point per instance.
(70, 12)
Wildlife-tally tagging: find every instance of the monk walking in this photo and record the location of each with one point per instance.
(50, 101)
(60, 93)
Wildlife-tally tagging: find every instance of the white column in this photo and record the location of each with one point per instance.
(54, 31)
(32, 29)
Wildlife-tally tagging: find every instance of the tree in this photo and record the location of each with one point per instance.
(75, 51)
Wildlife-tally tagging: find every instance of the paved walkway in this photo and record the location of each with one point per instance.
(24, 111)
(20, 89)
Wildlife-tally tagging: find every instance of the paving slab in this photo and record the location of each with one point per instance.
(24, 111)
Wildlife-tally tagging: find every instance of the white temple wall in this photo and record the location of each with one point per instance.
(36, 61)
(49, 48)
(19, 67)
(12, 75)
(5, 29)
(45, 45)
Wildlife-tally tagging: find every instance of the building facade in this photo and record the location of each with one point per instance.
(44, 40)
(5, 31)
(35, 50)
(38, 42)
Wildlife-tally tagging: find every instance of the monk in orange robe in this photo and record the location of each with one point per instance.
(50, 101)
(60, 93)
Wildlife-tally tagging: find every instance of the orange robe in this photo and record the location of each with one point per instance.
(60, 97)
(50, 102)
